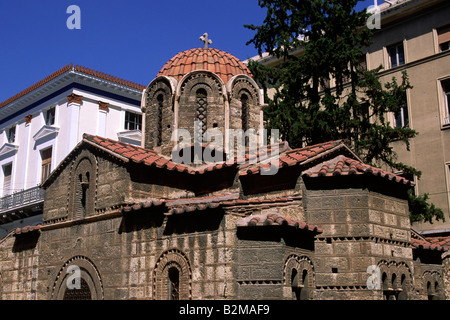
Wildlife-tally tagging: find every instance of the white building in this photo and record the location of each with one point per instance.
(42, 124)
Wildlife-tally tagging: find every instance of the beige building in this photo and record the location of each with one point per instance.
(415, 36)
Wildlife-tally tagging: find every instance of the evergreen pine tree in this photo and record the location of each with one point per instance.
(319, 40)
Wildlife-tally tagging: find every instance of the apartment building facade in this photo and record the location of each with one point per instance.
(40, 125)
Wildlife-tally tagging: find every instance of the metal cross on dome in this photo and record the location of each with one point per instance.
(204, 38)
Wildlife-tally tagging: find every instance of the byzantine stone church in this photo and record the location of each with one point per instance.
(127, 222)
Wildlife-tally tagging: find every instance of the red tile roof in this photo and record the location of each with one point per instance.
(300, 156)
(68, 68)
(136, 154)
(143, 205)
(275, 219)
(223, 64)
(440, 241)
(339, 165)
(343, 166)
(27, 229)
(226, 200)
(425, 244)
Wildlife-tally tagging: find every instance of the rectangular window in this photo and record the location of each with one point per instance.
(446, 100)
(50, 116)
(46, 156)
(133, 121)
(402, 117)
(396, 55)
(11, 134)
(7, 172)
(444, 37)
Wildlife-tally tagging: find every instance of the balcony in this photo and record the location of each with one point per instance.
(21, 204)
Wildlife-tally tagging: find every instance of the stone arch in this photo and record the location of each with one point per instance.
(159, 113)
(88, 287)
(83, 186)
(396, 280)
(245, 103)
(187, 92)
(433, 285)
(299, 277)
(405, 281)
(169, 263)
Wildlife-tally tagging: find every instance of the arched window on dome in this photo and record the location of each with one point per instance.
(201, 109)
(159, 116)
(245, 111)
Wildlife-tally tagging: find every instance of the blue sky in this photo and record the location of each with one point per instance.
(128, 39)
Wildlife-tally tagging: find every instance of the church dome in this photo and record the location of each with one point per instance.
(223, 64)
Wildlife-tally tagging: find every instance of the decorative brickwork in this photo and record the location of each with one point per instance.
(168, 286)
(91, 283)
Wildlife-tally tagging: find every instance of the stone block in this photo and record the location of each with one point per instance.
(333, 202)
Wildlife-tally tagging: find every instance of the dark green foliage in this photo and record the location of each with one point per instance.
(319, 40)
(422, 211)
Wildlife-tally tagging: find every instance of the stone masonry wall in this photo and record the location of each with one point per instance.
(361, 228)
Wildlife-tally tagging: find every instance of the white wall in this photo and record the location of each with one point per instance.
(72, 121)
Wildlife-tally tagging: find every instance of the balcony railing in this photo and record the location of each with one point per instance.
(21, 199)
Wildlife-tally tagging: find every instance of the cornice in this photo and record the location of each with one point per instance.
(130, 135)
(8, 148)
(45, 132)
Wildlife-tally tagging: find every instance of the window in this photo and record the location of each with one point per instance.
(396, 55)
(201, 111)
(133, 121)
(7, 171)
(82, 293)
(174, 284)
(444, 38)
(245, 112)
(401, 117)
(159, 116)
(446, 103)
(46, 156)
(50, 116)
(11, 134)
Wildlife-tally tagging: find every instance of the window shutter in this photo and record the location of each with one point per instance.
(46, 163)
(7, 171)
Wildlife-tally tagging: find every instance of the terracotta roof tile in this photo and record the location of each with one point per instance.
(275, 219)
(27, 229)
(220, 62)
(427, 245)
(142, 205)
(297, 156)
(440, 241)
(342, 166)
